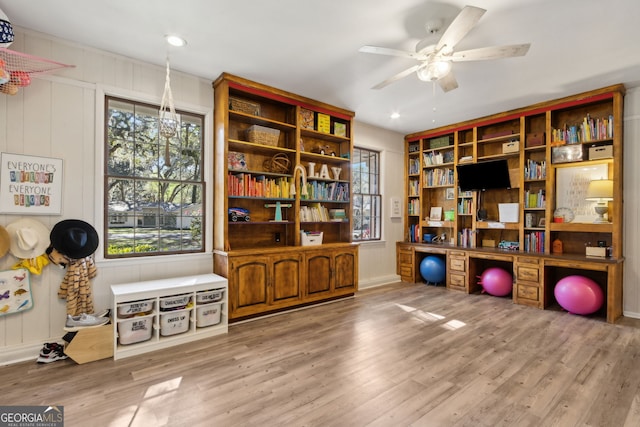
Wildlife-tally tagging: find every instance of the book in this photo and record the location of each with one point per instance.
(306, 118)
(324, 123)
(340, 129)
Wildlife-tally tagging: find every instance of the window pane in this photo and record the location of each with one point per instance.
(366, 198)
(155, 185)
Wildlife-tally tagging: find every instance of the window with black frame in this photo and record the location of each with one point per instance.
(367, 201)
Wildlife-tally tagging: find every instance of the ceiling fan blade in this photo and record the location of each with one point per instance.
(398, 76)
(392, 52)
(448, 82)
(492, 52)
(461, 25)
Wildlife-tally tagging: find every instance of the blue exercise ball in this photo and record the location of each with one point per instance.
(433, 269)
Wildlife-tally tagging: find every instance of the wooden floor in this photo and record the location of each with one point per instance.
(398, 355)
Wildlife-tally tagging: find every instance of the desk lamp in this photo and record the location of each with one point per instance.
(600, 190)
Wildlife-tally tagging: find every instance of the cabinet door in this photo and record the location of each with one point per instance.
(248, 283)
(318, 273)
(346, 276)
(287, 276)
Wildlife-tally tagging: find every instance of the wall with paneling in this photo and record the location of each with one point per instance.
(59, 116)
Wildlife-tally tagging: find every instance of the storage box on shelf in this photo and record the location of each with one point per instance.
(286, 186)
(548, 147)
(156, 314)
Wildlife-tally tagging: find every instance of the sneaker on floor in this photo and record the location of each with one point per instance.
(75, 323)
(50, 347)
(53, 356)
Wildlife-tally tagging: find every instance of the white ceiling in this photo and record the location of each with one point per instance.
(310, 47)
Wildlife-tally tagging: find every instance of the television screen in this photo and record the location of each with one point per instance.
(484, 175)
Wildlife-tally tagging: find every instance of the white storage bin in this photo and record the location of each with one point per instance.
(175, 322)
(174, 302)
(208, 314)
(135, 329)
(205, 297)
(134, 307)
(313, 239)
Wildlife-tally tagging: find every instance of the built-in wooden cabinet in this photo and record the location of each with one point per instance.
(282, 167)
(553, 150)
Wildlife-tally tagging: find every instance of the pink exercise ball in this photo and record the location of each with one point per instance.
(496, 281)
(579, 295)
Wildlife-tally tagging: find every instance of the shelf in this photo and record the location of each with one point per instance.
(497, 156)
(439, 165)
(324, 136)
(322, 158)
(262, 121)
(584, 227)
(489, 225)
(237, 145)
(152, 291)
(502, 138)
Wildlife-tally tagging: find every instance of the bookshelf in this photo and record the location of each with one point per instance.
(553, 150)
(286, 160)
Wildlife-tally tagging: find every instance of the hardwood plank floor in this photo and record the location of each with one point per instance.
(397, 355)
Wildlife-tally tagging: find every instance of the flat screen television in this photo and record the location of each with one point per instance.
(484, 175)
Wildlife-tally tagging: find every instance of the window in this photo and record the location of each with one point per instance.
(366, 195)
(154, 187)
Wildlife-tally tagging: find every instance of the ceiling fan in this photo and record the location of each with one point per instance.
(436, 59)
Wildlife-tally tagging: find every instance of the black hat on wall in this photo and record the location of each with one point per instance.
(74, 238)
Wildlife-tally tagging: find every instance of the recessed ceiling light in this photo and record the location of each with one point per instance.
(176, 41)
(395, 115)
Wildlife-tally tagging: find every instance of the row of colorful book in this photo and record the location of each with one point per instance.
(535, 199)
(329, 191)
(589, 130)
(535, 170)
(534, 242)
(434, 177)
(249, 185)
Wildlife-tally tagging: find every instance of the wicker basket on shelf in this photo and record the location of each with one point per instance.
(244, 106)
(263, 135)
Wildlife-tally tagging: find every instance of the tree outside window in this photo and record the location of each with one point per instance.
(154, 187)
(367, 206)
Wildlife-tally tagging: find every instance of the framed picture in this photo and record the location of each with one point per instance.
(396, 208)
(449, 193)
(30, 185)
(542, 222)
(436, 213)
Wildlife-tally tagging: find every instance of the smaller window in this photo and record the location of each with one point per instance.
(367, 201)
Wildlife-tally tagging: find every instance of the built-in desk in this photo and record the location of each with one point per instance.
(535, 274)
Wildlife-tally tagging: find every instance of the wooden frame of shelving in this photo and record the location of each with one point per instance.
(526, 139)
(313, 135)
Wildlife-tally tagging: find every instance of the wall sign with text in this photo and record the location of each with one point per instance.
(30, 185)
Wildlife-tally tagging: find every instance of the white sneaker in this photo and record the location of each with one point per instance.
(75, 323)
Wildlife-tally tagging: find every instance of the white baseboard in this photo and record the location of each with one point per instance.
(19, 353)
(631, 314)
(378, 281)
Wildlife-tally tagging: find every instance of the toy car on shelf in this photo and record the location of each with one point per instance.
(239, 214)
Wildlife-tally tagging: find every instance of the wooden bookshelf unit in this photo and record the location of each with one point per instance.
(553, 151)
(267, 143)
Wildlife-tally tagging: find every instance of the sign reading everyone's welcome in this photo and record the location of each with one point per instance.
(30, 185)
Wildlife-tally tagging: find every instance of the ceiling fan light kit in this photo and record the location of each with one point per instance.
(436, 59)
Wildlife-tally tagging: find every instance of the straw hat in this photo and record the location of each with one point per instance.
(5, 241)
(28, 238)
(74, 238)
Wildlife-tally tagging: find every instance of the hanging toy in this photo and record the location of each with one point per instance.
(20, 78)
(4, 74)
(6, 31)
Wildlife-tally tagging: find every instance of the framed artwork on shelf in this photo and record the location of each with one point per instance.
(542, 222)
(436, 213)
(449, 193)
